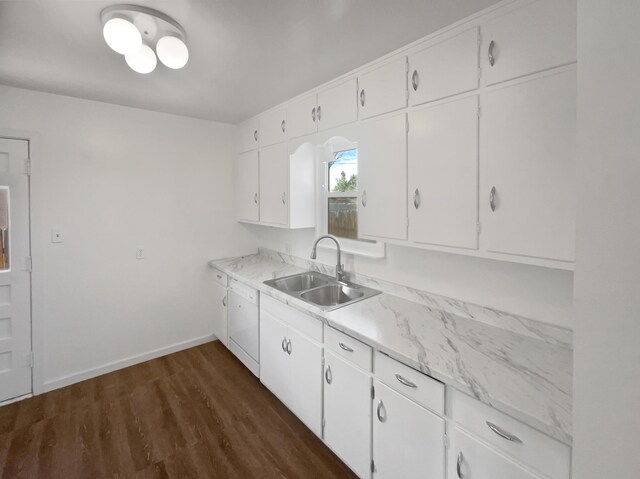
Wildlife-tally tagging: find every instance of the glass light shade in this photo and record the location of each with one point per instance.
(172, 52)
(122, 36)
(142, 61)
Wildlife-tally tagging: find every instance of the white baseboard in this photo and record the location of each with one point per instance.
(123, 363)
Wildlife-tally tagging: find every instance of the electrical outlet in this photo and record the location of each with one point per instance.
(56, 236)
(139, 253)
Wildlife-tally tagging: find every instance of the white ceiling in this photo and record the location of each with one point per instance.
(245, 55)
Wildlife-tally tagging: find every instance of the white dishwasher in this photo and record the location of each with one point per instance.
(244, 325)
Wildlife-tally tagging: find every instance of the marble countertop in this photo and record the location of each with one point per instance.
(524, 375)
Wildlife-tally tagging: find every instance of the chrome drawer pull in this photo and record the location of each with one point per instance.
(345, 347)
(503, 434)
(459, 465)
(328, 375)
(313, 114)
(492, 59)
(289, 347)
(284, 344)
(381, 418)
(406, 382)
(492, 198)
(224, 301)
(255, 135)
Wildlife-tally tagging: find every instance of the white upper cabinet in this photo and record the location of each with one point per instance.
(384, 89)
(532, 38)
(528, 194)
(444, 69)
(247, 187)
(443, 174)
(273, 127)
(274, 184)
(302, 117)
(338, 105)
(249, 135)
(382, 165)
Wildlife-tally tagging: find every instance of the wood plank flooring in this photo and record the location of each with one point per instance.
(198, 413)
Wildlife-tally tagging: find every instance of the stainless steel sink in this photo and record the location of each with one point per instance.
(321, 290)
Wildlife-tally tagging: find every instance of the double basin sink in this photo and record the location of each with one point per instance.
(321, 290)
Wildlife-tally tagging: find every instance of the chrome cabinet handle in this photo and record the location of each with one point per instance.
(345, 347)
(406, 382)
(492, 198)
(284, 344)
(459, 465)
(313, 114)
(255, 198)
(284, 198)
(319, 112)
(415, 80)
(492, 59)
(417, 200)
(328, 376)
(289, 347)
(364, 198)
(503, 434)
(255, 135)
(224, 301)
(362, 97)
(282, 125)
(219, 276)
(379, 410)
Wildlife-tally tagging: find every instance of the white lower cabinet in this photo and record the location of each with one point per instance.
(220, 325)
(470, 458)
(408, 440)
(347, 413)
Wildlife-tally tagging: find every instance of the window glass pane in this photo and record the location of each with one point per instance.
(343, 171)
(343, 217)
(4, 228)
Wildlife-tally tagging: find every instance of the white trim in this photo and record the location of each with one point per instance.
(123, 363)
(16, 399)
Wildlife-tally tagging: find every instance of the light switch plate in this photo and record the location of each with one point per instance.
(56, 236)
(139, 253)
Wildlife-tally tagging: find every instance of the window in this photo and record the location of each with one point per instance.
(339, 198)
(4, 228)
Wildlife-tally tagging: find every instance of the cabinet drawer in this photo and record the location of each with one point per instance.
(417, 386)
(383, 89)
(347, 347)
(304, 323)
(220, 277)
(273, 127)
(529, 446)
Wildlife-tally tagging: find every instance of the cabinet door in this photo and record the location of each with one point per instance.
(445, 69)
(302, 117)
(443, 174)
(383, 89)
(220, 314)
(382, 165)
(305, 376)
(273, 127)
(532, 38)
(274, 368)
(476, 460)
(530, 162)
(246, 182)
(408, 440)
(249, 135)
(274, 181)
(347, 413)
(338, 105)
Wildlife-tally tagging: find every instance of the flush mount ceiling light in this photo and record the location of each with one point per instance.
(133, 31)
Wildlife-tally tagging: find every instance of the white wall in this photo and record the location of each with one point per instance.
(539, 293)
(607, 276)
(113, 179)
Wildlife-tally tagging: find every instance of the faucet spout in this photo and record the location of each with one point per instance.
(340, 273)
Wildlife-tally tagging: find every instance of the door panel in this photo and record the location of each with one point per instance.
(15, 279)
(443, 174)
(247, 192)
(220, 326)
(338, 105)
(408, 440)
(383, 89)
(301, 117)
(273, 357)
(273, 127)
(274, 180)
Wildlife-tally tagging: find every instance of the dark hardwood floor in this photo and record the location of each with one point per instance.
(194, 414)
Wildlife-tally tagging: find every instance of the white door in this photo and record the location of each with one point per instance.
(15, 276)
(408, 440)
(472, 459)
(443, 174)
(382, 165)
(305, 386)
(220, 325)
(274, 181)
(338, 105)
(248, 135)
(246, 182)
(273, 127)
(347, 413)
(530, 157)
(383, 89)
(302, 117)
(274, 371)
